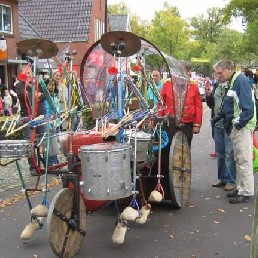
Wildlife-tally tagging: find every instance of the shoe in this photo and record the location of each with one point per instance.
(232, 194)
(219, 184)
(213, 154)
(239, 199)
(34, 172)
(229, 187)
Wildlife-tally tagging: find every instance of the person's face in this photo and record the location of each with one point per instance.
(156, 76)
(188, 73)
(57, 77)
(223, 75)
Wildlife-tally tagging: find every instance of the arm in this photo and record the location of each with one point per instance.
(198, 111)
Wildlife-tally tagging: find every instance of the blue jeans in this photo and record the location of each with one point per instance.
(225, 157)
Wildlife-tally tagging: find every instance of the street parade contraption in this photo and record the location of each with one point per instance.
(111, 143)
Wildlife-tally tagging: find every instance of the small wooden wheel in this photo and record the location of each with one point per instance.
(180, 170)
(66, 233)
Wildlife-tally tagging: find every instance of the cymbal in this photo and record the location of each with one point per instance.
(126, 42)
(42, 48)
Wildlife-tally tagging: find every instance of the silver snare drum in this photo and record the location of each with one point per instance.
(14, 149)
(143, 141)
(106, 171)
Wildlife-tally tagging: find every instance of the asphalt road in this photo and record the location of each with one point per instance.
(209, 227)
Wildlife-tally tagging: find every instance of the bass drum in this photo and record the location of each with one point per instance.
(87, 138)
(180, 170)
(91, 205)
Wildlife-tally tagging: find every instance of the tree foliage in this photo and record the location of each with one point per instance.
(248, 11)
(203, 36)
(208, 28)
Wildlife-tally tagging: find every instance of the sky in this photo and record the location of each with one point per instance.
(187, 8)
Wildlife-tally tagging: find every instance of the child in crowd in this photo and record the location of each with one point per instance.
(7, 103)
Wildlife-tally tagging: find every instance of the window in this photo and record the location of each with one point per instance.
(6, 19)
(99, 28)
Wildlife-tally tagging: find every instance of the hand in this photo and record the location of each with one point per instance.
(237, 126)
(196, 129)
(207, 92)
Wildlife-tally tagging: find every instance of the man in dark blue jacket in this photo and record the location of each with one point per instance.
(239, 123)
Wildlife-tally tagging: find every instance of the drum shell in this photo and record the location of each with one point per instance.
(84, 138)
(143, 142)
(15, 149)
(106, 172)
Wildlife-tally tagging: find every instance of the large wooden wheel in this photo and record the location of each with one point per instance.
(180, 170)
(66, 234)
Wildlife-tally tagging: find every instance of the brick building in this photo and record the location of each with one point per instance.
(78, 22)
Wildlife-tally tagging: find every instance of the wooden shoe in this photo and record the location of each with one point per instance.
(129, 213)
(39, 211)
(118, 236)
(145, 211)
(155, 196)
(30, 229)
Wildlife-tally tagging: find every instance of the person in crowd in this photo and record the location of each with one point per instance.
(223, 144)
(62, 96)
(210, 87)
(15, 104)
(52, 87)
(239, 122)
(7, 103)
(24, 95)
(191, 118)
(192, 109)
(158, 83)
(1, 106)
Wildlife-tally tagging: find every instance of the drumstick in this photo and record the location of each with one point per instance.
(139, 123)
(126, 118)
(2, 128)
(10, 126)
(25, 125)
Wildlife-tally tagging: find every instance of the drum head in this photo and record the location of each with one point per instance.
(180, 170)
(64, 241)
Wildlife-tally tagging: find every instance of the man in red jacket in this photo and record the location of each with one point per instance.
(191, 118)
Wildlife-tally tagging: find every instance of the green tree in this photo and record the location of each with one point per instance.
(138, 26)
(120, 8)
(248, 11)
(208, 28)
(169, 32)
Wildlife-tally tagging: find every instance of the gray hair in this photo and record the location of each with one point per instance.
(225, 64)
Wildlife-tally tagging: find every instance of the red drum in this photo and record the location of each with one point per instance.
(86, 138)
(91, 205)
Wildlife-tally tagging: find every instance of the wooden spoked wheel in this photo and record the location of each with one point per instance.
(180, 170)
(66, 232)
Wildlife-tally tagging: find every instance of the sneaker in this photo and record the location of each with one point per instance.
(229, 187)
(219, 184)
(232, 194)
(239, 199)
(213, 154)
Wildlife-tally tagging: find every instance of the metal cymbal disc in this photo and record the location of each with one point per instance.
(131, 42)
(64, 240)
(42, 48)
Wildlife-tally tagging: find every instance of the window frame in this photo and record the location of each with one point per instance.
(2, 19)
